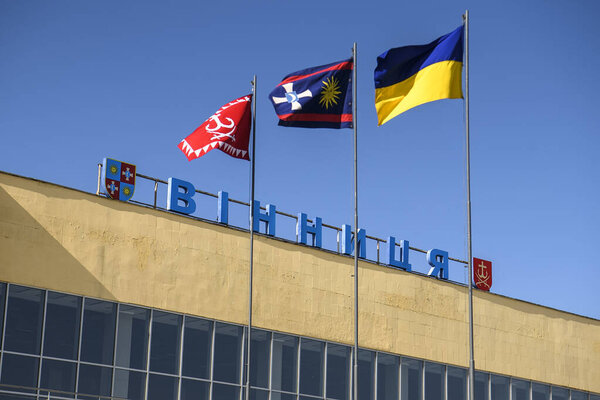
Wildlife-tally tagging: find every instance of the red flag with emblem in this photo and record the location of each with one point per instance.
(227, 130)
(482, 273)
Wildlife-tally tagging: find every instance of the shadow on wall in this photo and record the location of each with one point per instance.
(30, 255)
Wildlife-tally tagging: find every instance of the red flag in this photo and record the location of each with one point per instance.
(227, 130)
(482, 273)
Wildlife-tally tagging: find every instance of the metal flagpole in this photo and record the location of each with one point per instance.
(250, 273)
(354, 119)
(470, 248)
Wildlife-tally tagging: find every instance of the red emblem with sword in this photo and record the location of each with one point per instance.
(482, 273)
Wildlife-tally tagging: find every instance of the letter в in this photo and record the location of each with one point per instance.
(179, 196)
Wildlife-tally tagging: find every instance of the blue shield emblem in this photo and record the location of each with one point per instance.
(119, 179)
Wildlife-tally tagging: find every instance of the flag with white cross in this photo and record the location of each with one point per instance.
(317, 97)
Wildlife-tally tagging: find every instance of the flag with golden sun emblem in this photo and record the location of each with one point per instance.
(317, 97)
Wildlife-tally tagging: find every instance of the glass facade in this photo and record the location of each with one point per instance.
(56, 345)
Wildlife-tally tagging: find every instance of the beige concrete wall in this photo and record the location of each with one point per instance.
(62, 239)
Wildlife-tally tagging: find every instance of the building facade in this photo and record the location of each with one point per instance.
(101, 299)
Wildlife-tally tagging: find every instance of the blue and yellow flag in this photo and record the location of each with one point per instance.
(409, 76)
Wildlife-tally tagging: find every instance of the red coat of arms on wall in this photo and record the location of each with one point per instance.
(482, 273)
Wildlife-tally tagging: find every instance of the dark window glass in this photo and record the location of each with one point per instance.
(2, 297)
(499, 387)
(519, 390)
(166, 335)
(130, 385)
(162, 387)
(338, 371)
(387, 376)
(94, 380)
(540, 392)
(19, 370)
(559, 393)
(222, 392)
(260, 354)
(366, 374)
(24, 319)
(434, 381)
(194, 390)
(311, 367)
(457, 383)
(594, 397)
(481, 386)
(411, 386)
(285, 361)
(575, 395)
(132, 337)
(98, 337)
(61, 335)
(282, 396)
(228, 350)
(58, 375)
(4, 396)
(257, 394)
(197, 343)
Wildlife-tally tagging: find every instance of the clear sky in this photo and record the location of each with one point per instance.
(84, 80)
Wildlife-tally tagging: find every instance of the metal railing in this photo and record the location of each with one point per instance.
(338, 230)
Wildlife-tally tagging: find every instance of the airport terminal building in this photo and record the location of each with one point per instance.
(105, 299)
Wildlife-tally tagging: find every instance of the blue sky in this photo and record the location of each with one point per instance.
(80, 81)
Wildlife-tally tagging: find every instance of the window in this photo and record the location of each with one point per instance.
(540, 391)
(576, 395)
(197, 343)
(61, 333)
(366, 374)
(132, 337)
(94, 380)
(457, 383)
(58, 375)
(411, 385)
(98, 336)
(161, 387)
(164, 350)
(559, 393)
(19, 370)
(221, 391)
(387, 376)
(481, 385)
(260, 353)
(434, 381)
(228, 351)
(499, 387)
(311, 367)
(194, 390)
(130, 385)
(285, 361)
(2, 297)
(338, 371)
(519, 389)
(24, 319)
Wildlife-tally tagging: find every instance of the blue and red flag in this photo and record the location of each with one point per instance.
(317, 97)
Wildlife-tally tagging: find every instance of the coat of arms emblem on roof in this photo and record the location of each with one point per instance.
(119, 179)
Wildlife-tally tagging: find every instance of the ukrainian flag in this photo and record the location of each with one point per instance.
(409, 76)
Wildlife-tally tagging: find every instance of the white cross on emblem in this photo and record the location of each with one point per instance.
(113, 188)
(292, 97)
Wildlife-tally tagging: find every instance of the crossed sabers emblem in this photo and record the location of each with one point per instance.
(482, 274)
(292, 97)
